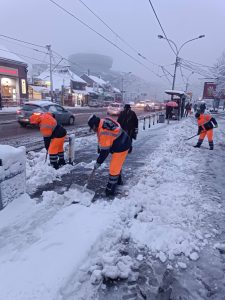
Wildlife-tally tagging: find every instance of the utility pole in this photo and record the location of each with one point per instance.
(50, 69)
(122, 90)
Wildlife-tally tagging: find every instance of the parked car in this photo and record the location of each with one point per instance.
(62, 115)
(114, 109)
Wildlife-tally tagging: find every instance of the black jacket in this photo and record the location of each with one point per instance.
(128, 121)
(208, 125)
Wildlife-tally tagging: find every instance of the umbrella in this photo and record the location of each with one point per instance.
(172, 104)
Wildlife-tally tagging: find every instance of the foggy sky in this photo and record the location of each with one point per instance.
(41, 22)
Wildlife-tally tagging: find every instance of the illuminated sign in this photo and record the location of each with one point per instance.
(24, 86)
(8, 71)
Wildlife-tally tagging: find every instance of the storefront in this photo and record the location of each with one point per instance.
(13, 81)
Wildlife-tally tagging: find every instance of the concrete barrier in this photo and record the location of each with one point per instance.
(12, 173)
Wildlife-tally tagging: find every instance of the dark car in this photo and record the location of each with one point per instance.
(62, 115)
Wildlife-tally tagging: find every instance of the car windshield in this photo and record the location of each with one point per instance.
(32, 107)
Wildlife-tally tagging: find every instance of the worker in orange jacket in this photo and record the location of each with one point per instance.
(54, 136)
(205, 127)
(111, 139)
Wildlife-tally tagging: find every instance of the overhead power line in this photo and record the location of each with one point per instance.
(23, 55)
(24, 46)
(102, 36)
(22, 41)
(69, 61)
(150, 2)
(116, 34)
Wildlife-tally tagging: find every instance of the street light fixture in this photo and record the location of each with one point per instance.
(177, 52)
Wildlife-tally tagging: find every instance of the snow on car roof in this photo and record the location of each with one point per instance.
(39, 102)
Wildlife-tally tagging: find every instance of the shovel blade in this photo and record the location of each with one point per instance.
(82, 189)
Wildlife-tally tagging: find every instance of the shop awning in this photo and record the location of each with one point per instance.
(82, 92)
(39, 89)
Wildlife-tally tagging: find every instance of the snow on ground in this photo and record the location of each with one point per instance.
(9, 109)
(40, 172)
(54, 250)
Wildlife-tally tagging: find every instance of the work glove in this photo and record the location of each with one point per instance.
(96, 166)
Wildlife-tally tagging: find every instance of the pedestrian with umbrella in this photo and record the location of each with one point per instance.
(169, 108)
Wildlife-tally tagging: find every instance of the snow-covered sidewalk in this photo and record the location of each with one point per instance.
(56, 251)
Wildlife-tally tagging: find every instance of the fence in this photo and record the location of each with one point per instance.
(149, 120)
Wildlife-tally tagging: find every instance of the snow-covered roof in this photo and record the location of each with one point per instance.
(39, 89)
(91, 90)
(60, 78)
(116, 90)
(6, 54)
(82, 92)
(98, 80)
(174, 92)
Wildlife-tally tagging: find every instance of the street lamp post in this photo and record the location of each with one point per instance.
(177, 52)
(187, 83)
(122, 86)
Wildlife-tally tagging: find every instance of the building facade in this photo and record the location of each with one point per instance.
(13, 79)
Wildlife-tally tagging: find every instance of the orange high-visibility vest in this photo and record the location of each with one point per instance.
(107, 136)
(203, 119)
(46, 123)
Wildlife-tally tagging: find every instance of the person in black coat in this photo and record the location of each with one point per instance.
(129, 122)
(0, 100)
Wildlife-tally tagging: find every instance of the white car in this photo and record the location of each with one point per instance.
(140, 104)
(114, 109)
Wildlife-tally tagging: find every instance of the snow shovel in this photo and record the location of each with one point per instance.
(85, 188)
(191, 137)
(46, 156)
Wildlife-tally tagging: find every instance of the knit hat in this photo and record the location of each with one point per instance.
(93, 121)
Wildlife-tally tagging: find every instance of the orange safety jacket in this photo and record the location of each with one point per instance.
(111, 138)
(108, 131)
(46, 123)
(205, 122)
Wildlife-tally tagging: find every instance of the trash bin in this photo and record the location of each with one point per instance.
(161, 118)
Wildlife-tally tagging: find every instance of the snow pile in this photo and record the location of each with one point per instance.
(40, 172)
(42, 246)
(111, 265)
(12, 173)
(170, 210)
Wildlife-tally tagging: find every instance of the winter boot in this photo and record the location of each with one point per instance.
(61, 162)
(54, 165)
(120, 180)
(54, 161)
(198, 145)
(110, 189)
(211, 146)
